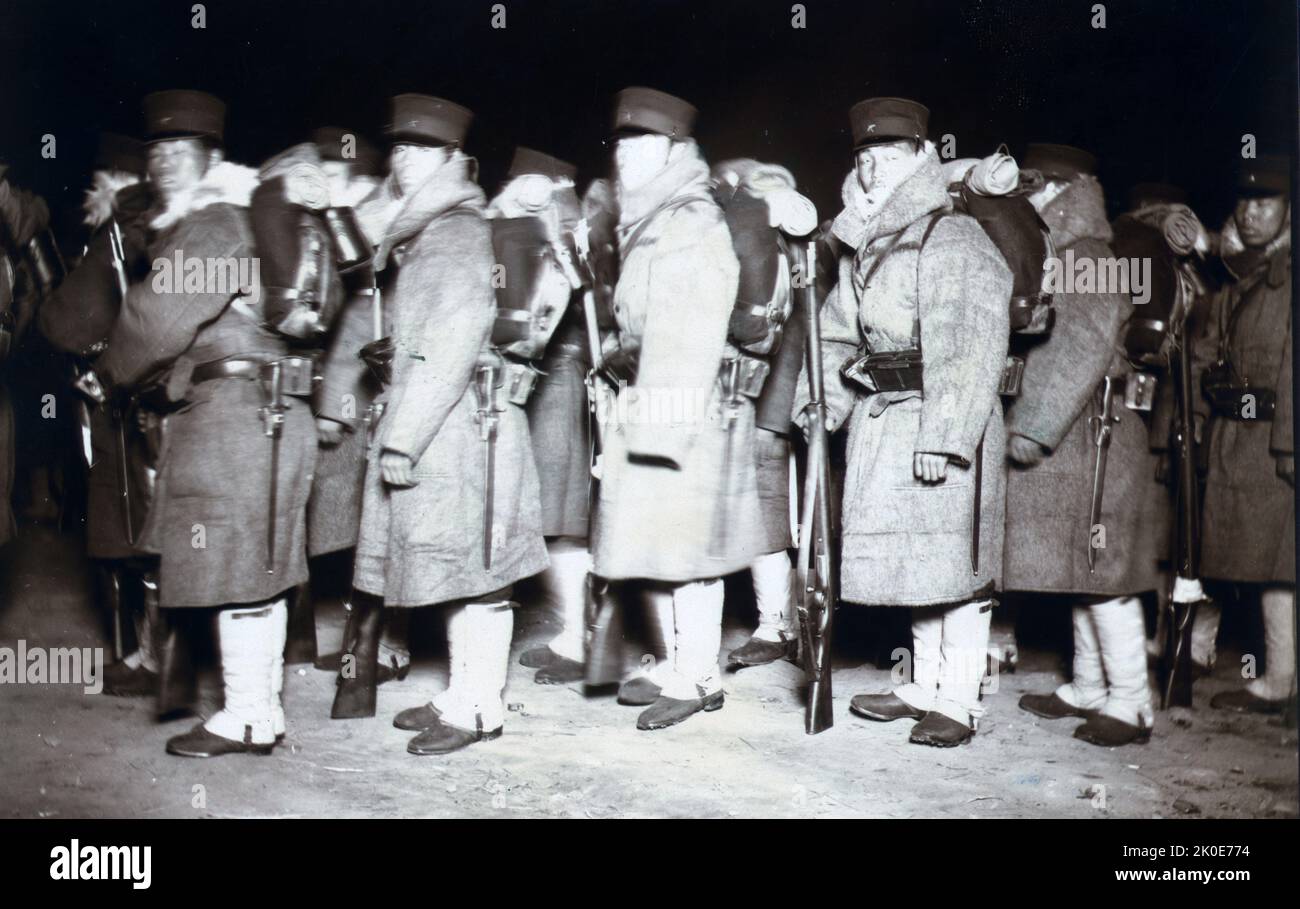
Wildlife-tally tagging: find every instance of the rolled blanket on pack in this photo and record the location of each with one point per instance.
(996, 175)
(1184, 232)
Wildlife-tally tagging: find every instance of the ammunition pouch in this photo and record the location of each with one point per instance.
(1032, 315)
(1144, 341)
(620, 367)
(1234, 399)
(1013, 374)
(1140, 391)
(520, 380)
(378, 356)
(891, 370)
(750, 374)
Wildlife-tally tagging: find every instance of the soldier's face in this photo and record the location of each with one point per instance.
(177, 165)
(637, 159)
(1259, 218)
(413, 165)
(884, 165)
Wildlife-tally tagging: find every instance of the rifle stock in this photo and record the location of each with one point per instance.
(816, 561)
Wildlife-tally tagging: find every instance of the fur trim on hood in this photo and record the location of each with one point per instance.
(224, 182)
(1078, 213)
(866, 217)
(98, 204)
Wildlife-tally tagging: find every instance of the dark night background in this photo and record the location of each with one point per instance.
(1166, 90)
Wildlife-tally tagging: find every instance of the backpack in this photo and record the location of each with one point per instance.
(763, 298)
(1025, 244)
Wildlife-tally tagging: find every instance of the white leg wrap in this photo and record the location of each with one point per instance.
(478, 679)
(145, 632)
(927, 641)
(965, 652)
(697, 620)
(249, 640)
(568, 579)
(774, 594)
(1205, 633)
(1278, 681)
(1087, 689)
(1121, 634)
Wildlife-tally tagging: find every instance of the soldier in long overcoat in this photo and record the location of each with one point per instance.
(451, 512)
(1243, 362)
(540, 187)
(195, 326)
(678, 499)
(1055, 451)
(924, 480)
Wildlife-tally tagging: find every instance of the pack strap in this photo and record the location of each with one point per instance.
(670, 206)
(893, 245)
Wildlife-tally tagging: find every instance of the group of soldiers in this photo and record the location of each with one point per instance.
(426, 376)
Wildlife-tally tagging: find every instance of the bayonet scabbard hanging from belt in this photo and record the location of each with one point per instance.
(273, 425)
(1101, 433)
(485, 387)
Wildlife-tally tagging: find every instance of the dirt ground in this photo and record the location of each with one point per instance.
(69, 754)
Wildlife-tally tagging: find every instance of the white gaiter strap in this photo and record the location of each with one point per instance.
(1279, 680)
(927, 640)
(1087, 688)
(965, 652)
(479, 680)
(1122, 634)
(774, 595)
(697, 619)
(570, 565)
(247, 637)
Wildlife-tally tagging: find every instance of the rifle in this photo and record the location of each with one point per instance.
(1176, 660)
(816, 562)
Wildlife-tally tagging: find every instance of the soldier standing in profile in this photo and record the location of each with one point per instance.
(1243, 363)
(914, 341)
(1079, 490)
(539, 186)
(451, 513)
(678, 500)
(228, 518)
(77, 319)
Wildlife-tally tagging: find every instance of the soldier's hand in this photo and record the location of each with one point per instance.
(328, 432)
(396, 469)
(1286, 468)
(929, 467)
(1024, 451)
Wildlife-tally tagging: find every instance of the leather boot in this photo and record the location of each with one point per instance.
(358, 675)
(301, 644)
(178, 689)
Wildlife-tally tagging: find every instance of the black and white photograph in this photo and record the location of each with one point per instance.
(648, 409)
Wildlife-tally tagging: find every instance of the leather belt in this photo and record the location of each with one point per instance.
(227, 369)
